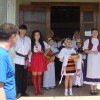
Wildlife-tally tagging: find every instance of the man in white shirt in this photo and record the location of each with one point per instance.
(22, 50)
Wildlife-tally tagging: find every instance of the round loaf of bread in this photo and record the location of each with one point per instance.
(74, 56)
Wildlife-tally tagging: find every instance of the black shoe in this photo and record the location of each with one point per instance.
(18, 95)
(25, 94)
(76, 86)
(95, 92)
(92, 92)
(47, 88)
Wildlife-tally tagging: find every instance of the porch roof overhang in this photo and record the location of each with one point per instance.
(87, 1)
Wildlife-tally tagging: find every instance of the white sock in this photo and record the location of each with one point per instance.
(70, 91)
(95, 87)
(66, 92)
(91, 87)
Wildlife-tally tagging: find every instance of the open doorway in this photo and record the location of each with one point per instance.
(45, 16)
(65, 20)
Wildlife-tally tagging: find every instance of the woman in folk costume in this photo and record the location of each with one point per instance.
(92, 48)
(68, 66)
(38, 61)
(49, 75)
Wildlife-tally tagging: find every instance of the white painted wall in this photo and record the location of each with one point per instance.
(11, 11)
(8, 11)
(3, 11)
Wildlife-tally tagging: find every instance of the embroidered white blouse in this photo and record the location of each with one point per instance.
(37, 47)
(23, 46)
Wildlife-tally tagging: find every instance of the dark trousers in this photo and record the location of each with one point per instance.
(20, 78)
(58, 66)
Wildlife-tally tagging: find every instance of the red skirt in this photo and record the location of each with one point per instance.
(38, 63)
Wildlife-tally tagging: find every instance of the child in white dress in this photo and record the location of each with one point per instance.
(79, 71)
(68, 66)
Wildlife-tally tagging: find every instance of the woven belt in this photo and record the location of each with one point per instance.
(21, 55)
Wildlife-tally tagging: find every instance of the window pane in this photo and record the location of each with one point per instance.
(88, 27)
(87, 16)
(34, 16)
(40, 27)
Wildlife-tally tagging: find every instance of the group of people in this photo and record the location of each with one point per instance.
(35, 55)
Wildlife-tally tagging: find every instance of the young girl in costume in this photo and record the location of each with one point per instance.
(68, 66)
(38, 62)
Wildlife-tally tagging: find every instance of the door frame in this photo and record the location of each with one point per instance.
(47, 5)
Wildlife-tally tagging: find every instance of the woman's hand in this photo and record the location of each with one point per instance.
(29, 64)
(93, 52)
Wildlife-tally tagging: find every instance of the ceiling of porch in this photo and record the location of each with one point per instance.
(23, 1)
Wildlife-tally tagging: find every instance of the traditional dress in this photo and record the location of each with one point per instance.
(49, 75)
(38, 61)
(92, 68)
(68, 66)
(74, 46)
(22, 50)
(78, 76)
